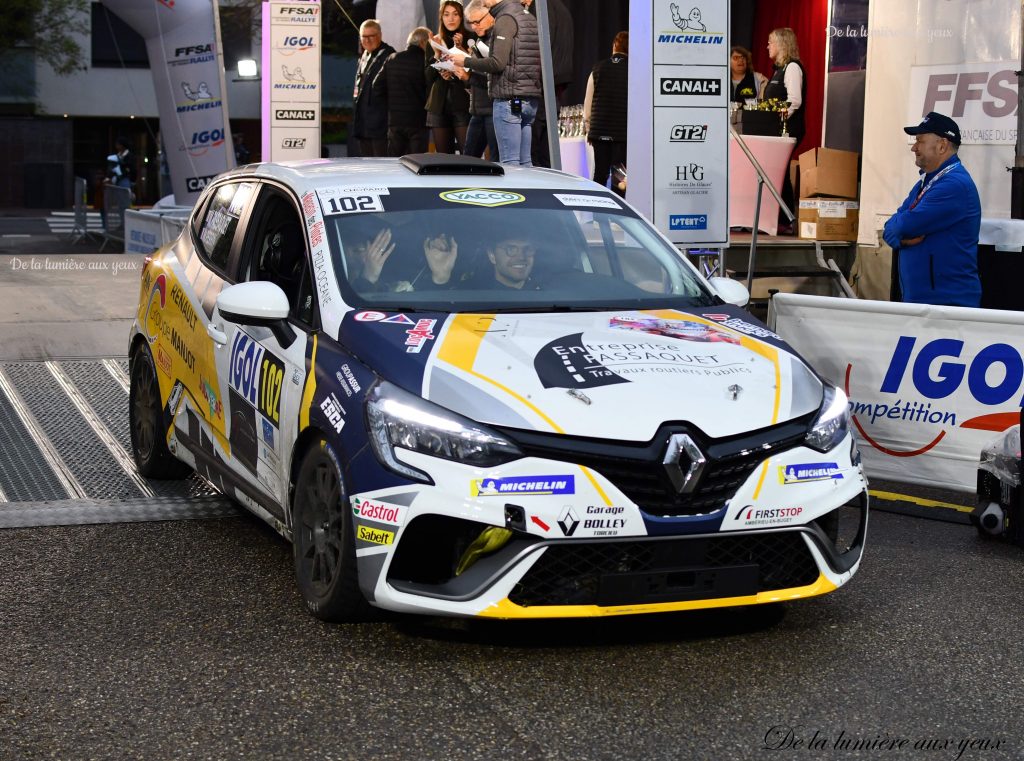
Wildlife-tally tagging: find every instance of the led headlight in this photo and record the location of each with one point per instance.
(397, 419)
(832, 423)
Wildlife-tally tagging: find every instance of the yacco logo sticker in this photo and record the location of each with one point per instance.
(374, 535)
(688, 222)
(814, 471)
(522, 485)
(159, 289)
(993, 378)
(257, 375)
(482, 197)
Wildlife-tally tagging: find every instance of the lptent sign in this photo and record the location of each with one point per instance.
(679, 118)
(291, 80)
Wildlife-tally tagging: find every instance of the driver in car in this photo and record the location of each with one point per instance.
(512, 258)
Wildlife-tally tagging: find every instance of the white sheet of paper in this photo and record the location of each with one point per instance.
(443, 65)
(482, 47)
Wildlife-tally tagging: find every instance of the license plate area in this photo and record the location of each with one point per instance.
(678, 585)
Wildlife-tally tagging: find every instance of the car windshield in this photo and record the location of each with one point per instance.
(497, 250)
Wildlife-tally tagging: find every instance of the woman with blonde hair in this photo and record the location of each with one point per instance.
(787, 83)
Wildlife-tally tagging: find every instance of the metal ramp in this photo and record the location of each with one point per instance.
(65, 451)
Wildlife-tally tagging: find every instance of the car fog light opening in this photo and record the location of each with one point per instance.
(832, 423)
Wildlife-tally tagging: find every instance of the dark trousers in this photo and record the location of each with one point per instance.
(403, 140)
(480, 135)
(608, 153)
(373, 146)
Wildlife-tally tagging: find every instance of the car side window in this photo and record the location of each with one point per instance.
(217, 230)
(275, 251)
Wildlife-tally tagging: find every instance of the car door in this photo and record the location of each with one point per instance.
(263, 370)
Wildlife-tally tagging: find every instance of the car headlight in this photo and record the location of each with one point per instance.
(832, 423)
(397, 419)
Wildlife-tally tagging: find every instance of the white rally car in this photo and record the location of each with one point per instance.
(468, 390)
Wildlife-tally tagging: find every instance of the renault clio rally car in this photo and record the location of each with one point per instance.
(471, 390)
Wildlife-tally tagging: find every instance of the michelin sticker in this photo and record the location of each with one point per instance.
(806, 473)
(522, 485)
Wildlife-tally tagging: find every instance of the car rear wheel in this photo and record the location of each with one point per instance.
(323, 540)
(146, 422)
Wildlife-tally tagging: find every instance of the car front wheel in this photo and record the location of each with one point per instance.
(323, 541)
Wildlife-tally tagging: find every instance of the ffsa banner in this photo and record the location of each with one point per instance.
(183, 43)
(291, 80)
(678, 139)
(928, 386)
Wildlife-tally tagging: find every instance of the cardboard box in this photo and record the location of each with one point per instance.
(828, 172)
(828, 219)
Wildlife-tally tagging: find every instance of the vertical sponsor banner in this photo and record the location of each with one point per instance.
(684, 66)
(928, 386)
(183, 43)
(291, 81)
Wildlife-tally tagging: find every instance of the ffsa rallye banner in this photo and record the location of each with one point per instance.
(929, 386)
(183, 42)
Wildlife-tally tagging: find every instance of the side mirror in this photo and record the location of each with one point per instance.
(259, 303)
(731, 291)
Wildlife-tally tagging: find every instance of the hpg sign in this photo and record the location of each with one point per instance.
(980, 97)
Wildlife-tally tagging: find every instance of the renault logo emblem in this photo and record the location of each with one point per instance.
(684, 463)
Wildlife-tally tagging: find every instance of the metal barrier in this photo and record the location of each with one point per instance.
(115, 200)
(81, 227)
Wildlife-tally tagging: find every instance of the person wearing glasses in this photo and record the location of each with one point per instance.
(512, 257)
(481, 124)
(370, 115)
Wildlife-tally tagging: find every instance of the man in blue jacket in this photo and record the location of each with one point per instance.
(935, 230)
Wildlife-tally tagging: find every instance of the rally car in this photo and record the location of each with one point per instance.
(471, 390)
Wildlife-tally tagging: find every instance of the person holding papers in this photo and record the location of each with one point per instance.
(448, 101)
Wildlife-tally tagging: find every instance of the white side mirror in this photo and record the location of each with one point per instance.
(731, 291)
(255, 302)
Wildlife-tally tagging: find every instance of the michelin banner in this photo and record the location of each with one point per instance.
(183, 43)
(291, 81)
(929, 386)
(678, 143)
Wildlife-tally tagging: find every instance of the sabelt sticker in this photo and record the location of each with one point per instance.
(587, 202)
(482, 197)
(374, 535)
(522, 485)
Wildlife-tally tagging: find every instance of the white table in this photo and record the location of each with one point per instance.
(773, 154)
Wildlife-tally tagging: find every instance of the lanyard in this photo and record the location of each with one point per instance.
(932, 181)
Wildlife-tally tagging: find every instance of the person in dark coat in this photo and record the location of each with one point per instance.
(480, 134)
(370, 116)
(402, 85)
(447, 100)
(608, 108)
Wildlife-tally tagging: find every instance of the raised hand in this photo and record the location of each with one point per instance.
(441, 251)
(377, 253)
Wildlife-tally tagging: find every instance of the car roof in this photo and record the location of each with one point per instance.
(313, 174)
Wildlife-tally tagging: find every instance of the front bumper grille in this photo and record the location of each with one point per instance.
(639, 472)
(647, 571)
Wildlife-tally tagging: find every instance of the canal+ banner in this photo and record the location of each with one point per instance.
(183, 43)
(928, 386)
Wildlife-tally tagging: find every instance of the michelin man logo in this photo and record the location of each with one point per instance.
(200, 93)
(293, 76)
(692, 22)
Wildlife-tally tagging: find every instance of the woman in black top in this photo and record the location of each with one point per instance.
(788, 83)
(448, 100)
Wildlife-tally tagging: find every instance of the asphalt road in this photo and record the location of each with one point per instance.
(187, 640)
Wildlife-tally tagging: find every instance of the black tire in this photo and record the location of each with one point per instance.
(146, 422)
(323, 541)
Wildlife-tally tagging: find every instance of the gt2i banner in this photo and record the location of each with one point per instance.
(980, 97)
(929, 386)
(183, 43)
(679, 118)
(291, 81)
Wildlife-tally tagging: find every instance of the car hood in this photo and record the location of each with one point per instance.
(614, 375)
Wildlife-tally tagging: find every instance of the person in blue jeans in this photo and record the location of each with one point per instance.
(935, 231)
(513, 70)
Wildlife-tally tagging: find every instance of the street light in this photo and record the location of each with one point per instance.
(247, 67)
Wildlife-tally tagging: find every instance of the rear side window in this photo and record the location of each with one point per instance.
(217, 230)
